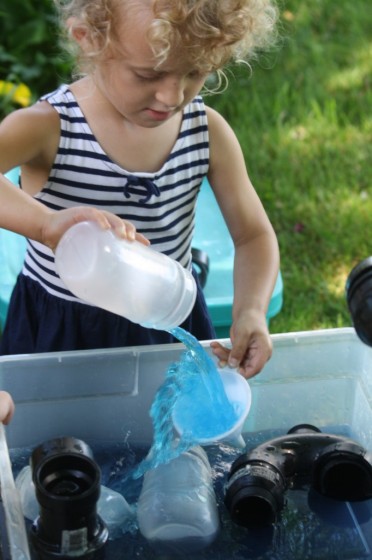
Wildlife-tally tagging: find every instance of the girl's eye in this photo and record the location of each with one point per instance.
(196, 75)
(147, 77)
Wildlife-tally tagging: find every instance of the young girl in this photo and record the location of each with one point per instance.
(133, 136)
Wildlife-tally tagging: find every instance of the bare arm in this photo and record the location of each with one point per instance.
(22, 214)
(256, 261)
(29, 138)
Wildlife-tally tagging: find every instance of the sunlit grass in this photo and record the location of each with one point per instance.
(303, 118)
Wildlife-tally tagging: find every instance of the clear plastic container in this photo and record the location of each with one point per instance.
(125, 277)
(16, 547)
(177, 511)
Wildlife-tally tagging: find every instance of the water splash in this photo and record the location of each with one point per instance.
(203, 367)
(195, 372)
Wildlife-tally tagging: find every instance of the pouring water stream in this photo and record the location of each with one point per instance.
(195, 371)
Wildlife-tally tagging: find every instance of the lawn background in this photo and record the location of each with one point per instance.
(303, 117)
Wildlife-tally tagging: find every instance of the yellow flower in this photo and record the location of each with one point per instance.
(288, 16)
(20, 94)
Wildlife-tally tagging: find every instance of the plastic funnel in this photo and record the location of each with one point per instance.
(238, 393)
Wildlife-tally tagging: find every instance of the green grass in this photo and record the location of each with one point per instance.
(303, 117)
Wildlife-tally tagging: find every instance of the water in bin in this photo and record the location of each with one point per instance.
(339, 535)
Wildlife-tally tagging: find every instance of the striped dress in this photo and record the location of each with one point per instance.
(161, 205)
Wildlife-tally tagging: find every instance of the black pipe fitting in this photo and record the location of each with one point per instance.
(334, 466)
(67, 487)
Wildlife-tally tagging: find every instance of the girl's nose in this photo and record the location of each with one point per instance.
(170, 91)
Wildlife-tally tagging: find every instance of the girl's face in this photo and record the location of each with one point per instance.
(128, 80)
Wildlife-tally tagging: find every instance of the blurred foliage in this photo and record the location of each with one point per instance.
(29, 49)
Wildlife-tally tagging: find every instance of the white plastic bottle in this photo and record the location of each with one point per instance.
(125, 277)
(177, 510)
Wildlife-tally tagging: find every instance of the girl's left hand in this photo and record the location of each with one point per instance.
(251, 345)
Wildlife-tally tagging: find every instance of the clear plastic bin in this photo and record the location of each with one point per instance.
(320, 377)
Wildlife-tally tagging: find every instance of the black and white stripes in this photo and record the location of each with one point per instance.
(161, 204)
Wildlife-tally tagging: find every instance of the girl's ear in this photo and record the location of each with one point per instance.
(80, 33)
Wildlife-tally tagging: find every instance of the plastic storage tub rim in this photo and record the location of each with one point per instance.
(320, 377)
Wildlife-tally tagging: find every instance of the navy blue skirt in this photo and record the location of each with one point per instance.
(40, 322)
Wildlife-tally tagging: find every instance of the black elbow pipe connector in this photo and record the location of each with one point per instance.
(359, 299)
(334, 466)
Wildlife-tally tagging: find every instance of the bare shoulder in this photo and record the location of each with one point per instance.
(27, 134)
(223, 143)
(216, 122)
(37, 117)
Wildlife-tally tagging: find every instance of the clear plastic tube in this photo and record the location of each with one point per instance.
(15, 523)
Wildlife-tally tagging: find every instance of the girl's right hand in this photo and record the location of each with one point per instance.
(57, 223)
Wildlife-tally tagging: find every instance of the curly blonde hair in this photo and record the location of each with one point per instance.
(208, 33)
